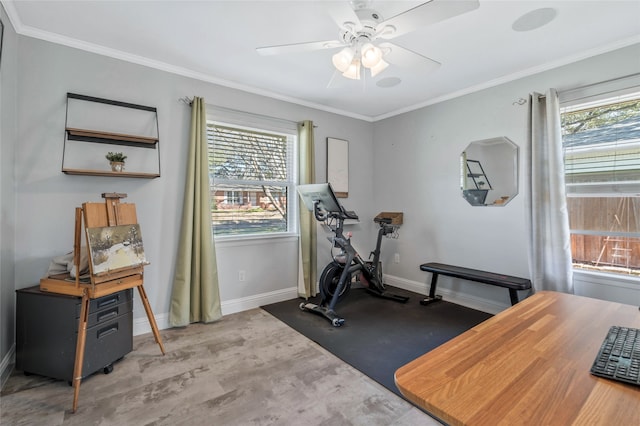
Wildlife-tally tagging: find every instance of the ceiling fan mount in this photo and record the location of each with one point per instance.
(367, 30)
(360, 26)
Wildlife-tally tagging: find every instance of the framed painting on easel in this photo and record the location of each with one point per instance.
(113, 248)
(338, 166)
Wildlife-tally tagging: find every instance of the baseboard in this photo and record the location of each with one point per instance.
(255, 301)
(480, 304)
(7, 365)
(141, 325)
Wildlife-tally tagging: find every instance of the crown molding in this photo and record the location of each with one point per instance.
(185, 72)
(28, 31)
(515, 76)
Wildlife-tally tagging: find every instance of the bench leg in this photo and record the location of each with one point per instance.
(432, 291)
(513, 294)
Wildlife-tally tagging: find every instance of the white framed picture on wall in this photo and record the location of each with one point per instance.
(338, 166)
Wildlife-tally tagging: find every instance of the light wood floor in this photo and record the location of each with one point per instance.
(247, 369)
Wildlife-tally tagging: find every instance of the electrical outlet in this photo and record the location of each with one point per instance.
(396, 258)
(242, 275)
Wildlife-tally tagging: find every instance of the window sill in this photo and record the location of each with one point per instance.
(251, 240)
(605, 278)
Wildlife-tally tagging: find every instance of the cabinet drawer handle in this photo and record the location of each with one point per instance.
(103, 316)
(107, 331)
(107, 302)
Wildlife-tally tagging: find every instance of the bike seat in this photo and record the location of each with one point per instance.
(384, 220)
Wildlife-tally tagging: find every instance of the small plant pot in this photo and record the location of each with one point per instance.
(117, 166)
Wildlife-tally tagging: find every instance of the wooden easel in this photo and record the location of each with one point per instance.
(94, 215)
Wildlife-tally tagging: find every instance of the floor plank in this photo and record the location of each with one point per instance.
(247, 369)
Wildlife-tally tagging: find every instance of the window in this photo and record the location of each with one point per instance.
(233, 197)
(601, 142)
(253, 180)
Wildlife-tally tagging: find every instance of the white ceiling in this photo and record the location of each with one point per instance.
(216, 41)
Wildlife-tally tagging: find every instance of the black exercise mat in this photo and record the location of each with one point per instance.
(379, 335)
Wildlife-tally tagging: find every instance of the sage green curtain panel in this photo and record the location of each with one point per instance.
(307, 256)
(196, 296)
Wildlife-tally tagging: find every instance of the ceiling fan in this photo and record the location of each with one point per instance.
(363, 34)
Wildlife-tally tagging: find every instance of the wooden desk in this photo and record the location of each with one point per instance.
(527, 365)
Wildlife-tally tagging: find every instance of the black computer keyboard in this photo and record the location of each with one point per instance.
(619, 356)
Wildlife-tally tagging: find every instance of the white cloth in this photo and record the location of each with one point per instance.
(64, 264)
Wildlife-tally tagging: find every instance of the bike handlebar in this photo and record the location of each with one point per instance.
(322, 215)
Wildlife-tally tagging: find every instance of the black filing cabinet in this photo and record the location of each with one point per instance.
(47, 331)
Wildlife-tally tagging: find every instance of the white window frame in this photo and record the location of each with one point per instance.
(259, 123)
(587, 97)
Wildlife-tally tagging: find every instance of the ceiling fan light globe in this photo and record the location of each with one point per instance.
(371, 55)
(381, 66)
(353, 71)
(342, 60)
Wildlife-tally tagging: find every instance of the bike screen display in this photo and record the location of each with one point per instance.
(321, 193)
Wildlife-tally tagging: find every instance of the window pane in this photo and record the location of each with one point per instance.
(253, 209)
(602, 173)
(602, 148)
(248, 155)
(605, 214)
(605, 233)
(610, 254)
(252, 173)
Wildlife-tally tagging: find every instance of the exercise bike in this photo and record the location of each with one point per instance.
(336, 278)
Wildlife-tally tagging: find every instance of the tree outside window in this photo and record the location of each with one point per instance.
(252, 176)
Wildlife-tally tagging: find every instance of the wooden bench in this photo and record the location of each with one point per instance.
(506, 281)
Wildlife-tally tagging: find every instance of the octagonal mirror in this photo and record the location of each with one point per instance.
(489, 172)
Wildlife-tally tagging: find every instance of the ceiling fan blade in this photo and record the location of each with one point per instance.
(402, 57)
(342, 12)
(425, 14)
(337, 81)
(298, 47)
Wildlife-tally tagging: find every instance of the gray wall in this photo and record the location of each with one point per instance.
(413, 167)
(8, 143)
(418, 153)
(46, 198)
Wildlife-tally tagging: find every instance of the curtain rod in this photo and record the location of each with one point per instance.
(250, 114)
(188, 101)
(586, 86)
(522, 101)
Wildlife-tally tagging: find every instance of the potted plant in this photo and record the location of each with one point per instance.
(116, 159)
